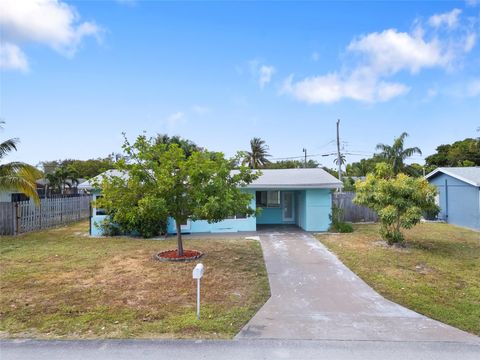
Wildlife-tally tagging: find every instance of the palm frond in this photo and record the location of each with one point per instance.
(8, 146)
(21, 177)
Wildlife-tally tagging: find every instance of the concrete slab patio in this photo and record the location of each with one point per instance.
(315, 296)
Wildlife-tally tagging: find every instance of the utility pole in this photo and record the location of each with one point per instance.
(305, 162)
(339, 156)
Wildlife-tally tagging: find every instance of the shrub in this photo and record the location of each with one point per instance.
(337, 223)
(399, 200)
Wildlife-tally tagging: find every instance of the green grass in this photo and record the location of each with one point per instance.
(61, 283)
(437, 274)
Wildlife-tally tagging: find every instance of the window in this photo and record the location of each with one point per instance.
(237, 216)
(97, 210)
(268, 199)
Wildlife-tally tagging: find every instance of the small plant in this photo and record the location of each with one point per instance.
(337, 223)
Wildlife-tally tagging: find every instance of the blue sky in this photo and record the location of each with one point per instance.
(76, 74)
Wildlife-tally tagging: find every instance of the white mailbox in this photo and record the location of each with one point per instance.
(197, 272)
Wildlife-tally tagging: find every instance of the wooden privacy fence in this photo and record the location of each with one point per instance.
(352, 212)
(25, 216)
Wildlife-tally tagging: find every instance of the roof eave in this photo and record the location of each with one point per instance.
(295, 186)
(446, 172)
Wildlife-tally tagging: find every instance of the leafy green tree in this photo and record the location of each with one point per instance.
(399, 200)
(415, 170)
(61, 178)
(291, 164)
(363, 167)
(186, 145)
(256, 158)
(161, 177)
(17, 176)
(396, 154)
(83, 169)
(460, 153)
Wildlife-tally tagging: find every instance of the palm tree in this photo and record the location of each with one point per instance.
(343, 160)
(257, 156)
(17, 176)
(396, 154)
(61, 178)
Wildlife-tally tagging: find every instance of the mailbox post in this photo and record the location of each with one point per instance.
(197, 274)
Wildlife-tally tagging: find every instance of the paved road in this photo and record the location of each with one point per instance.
(315, 296)
(235, 350)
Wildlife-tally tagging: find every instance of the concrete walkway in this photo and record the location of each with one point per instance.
(315, 296)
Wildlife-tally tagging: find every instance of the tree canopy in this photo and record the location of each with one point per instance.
(396, 154)
(163, 180)
(460, 153)
(399, 200)
(85, 169)
(291, 164)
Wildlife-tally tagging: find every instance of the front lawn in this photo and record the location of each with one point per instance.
(437, 274)
(61, 283)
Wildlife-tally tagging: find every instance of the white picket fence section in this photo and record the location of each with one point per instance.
(24, 216)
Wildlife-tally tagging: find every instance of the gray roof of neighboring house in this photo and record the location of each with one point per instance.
(470, 175)
(44, 181)
(270, 179)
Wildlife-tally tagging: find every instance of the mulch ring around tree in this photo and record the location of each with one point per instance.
(172, 255)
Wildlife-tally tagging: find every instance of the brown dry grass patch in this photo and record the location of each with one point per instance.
(59, 283)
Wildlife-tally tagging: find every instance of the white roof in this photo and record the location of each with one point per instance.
(88, 185)
(470, 175)
(270, 179)
(295, 179)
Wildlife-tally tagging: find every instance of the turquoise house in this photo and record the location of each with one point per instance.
(301, 197)
(458, 195)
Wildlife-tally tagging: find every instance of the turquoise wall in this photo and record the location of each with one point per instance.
(228, 225)
(301, 208)
(463, 206)
(274, 216)
(312, 209)
(318, 206)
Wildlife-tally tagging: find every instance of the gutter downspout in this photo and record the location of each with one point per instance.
(446, 200)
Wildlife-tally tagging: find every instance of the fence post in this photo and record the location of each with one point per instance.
(17, 219)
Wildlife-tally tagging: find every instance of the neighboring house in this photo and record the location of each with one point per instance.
(458, 195)
(299, 197)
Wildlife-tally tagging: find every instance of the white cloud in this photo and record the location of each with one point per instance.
(333, 87)
(265, 75)
(261, 72)
(315, 56)
(469, 42)
(472, 3)
(175, 119)
(390, 51)
(373, 58)
(48, 22)
(12, 57)
(449, 19)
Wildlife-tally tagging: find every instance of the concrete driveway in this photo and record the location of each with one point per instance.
(315, 296)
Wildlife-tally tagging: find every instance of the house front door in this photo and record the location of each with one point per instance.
(288, 206)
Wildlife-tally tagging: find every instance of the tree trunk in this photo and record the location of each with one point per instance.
(178, 224)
